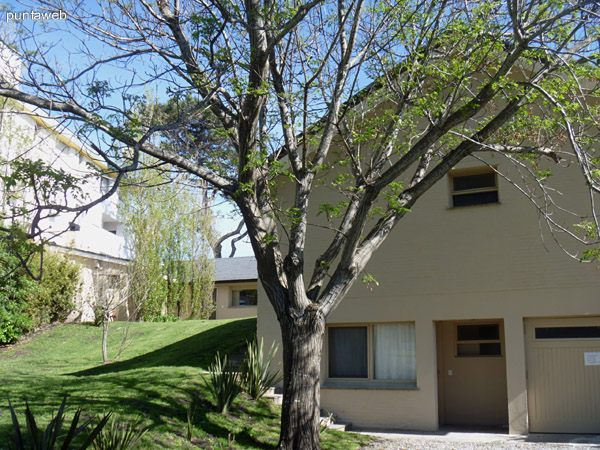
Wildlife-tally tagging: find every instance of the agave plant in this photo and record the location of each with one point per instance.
(120, 435)
(223, 382)
(257, 377)
(52, 437)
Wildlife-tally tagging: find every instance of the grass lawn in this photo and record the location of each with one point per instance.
(159, 376)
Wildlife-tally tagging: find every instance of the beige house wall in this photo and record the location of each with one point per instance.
(225, 309)
(88, 296)
(496, 261)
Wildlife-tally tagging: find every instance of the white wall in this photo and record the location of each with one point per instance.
(23, 136)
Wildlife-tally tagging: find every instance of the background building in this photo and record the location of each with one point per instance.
(95, 238)
(236, 281)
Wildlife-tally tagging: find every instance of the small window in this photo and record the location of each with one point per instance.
(478, 340)
(567, 333)
(244, 297)
(470, 188)
(111, 227)
(106, 185)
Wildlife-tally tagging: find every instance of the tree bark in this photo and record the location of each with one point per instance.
(302, 344)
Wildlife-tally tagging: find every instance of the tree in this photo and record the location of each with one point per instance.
(390, 94)
(114, 292)
(202, 139)
(169, 228)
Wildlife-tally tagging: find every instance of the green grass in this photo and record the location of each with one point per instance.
(159, 375)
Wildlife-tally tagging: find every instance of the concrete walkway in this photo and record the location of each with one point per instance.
(474, 436)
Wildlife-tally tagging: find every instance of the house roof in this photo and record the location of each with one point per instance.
(235, 269)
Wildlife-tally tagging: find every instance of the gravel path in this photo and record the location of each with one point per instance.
(434, 444)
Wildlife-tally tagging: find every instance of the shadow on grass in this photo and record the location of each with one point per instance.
(159, 395)
(196, 351)
(137, 394)
(245, 437)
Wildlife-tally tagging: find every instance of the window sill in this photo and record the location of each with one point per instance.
(397, 385)
(450, 208)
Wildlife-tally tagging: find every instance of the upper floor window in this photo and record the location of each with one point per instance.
(106, 185)
(473, 187)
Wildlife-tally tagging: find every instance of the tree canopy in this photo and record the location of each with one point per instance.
(394, 93)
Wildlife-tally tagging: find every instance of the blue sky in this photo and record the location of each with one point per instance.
(65, 52)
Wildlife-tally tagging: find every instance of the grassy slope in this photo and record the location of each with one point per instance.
(159, 375)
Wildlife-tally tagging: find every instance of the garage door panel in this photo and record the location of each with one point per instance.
(563, 392)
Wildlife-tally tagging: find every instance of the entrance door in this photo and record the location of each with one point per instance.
(472, 373)
(563, 375)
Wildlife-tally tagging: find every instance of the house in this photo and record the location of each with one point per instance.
(236, 282)
(479, 317)
(94, 239)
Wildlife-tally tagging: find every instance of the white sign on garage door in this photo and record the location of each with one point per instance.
(592, 358)
(563, 375)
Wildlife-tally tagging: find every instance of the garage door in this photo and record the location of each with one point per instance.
(563, 375)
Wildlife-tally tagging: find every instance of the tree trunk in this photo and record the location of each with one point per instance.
(302, 344)
(105, 316)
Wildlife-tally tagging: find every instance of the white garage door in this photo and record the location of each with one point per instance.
(563, 375)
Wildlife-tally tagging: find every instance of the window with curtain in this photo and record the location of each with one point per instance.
(392, 348)
(395, 355)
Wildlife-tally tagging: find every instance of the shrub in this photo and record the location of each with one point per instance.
(53, 437)
(256, 375)
(159, 318)
(15, 288)
(53, 300)
(13, 324)
(26, 303)
(223, 383)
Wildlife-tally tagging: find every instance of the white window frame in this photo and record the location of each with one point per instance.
(370, 381)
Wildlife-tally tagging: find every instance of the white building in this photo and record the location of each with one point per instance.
(94, 238)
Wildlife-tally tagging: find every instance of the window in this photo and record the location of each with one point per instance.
(478, 340)
(567, 333)
(473, 187)
(106, 185)
(111, 227)
(384, 352)
(244, 297)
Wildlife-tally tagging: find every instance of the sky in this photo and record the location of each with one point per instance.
(12, 11)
